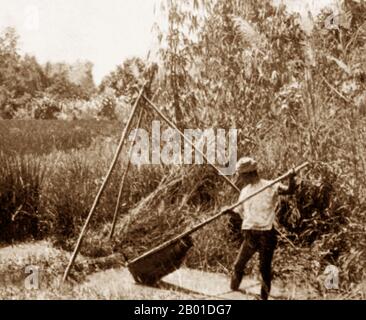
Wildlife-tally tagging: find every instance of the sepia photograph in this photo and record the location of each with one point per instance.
(183, 150)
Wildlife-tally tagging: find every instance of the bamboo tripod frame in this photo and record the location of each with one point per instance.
(104, 184)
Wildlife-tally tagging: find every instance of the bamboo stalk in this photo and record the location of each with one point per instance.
(115, 216)
(215, 217)
(102, 188)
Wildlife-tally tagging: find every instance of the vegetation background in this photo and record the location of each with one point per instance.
(295, 96)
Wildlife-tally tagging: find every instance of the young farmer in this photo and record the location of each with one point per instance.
(258, 214)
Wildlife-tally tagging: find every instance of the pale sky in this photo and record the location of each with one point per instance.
(103, 32)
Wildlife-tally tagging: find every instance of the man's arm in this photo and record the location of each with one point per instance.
(283, 190)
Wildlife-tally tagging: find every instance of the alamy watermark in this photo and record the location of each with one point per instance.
(170, 148)
(32, 280)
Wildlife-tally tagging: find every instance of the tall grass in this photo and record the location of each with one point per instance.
(20, 198)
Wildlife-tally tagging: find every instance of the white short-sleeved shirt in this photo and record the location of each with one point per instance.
(258, 213)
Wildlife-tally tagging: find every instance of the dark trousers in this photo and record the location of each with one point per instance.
(265, 243)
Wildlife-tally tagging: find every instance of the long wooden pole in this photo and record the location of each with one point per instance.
(170, 123)
(222, 212)
(102, 188)
(123, 179)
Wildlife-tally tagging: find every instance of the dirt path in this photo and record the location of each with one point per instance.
(118, 283)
